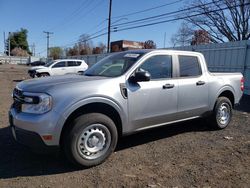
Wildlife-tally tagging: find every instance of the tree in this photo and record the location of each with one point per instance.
(183, 37)
(17, 51)
(96, 50)
(85, 44)
(225, 20)
(200, 37)
(102, 47)
(55, 52)
(71, 51)
(18, 40)
(149, 44)
(115, 48)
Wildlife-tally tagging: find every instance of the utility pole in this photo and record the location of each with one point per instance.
(109, 25)
(33, 49)
(48, 35)
(164, 40)
(4, 43)
(9, 45)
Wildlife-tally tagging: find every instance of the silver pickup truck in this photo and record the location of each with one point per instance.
(84, 115)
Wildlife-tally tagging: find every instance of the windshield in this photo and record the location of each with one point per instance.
(114, 65)
(49, 63)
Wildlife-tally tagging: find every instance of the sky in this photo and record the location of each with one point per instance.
(68, 19)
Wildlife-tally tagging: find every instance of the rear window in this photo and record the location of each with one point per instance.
(189, 66)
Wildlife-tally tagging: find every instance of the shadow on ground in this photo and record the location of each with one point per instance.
(17, 160)
(244, 104)
(18, 80)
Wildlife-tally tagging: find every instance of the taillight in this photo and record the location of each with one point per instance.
(242, 84)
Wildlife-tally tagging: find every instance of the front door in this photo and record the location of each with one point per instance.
(59, 68)
(153, 102)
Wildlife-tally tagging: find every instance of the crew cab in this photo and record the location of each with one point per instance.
(58, 67)
(84, 115)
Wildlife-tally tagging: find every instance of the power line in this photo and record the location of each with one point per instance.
(155, 23)
(165, 14)
(90, 38)
(175, 19)
(146, 10)
(73, 14)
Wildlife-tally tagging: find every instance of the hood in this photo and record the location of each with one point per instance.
(37, 67)
(45, 83)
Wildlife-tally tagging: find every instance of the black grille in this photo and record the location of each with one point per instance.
(17, 92)
(18, 99)
(17, 105)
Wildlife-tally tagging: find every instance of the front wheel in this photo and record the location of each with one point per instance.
(43, 74)
(91, 140)
(222, 113)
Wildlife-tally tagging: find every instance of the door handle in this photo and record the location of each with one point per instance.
(167, 86)
(199, 83)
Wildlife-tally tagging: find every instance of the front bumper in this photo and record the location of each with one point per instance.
(32, 73)
(43, 125)
(30, 139)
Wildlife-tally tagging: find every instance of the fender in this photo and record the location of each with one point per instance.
(83, 102)
(221, 90)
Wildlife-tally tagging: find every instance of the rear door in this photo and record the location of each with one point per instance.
(193, 87)
(72, 67)
(153, 102)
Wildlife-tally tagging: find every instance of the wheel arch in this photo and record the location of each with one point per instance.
(39, 73)
(226, 92)
(94, 107)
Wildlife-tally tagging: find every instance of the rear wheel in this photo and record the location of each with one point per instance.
(91, 140)
(222, 113)
(80, 72)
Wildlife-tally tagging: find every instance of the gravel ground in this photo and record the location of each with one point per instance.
(186, 154)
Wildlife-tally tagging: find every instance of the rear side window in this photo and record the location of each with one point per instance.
(78, 63)
(72, 63)
(60, 64)
(189, 66)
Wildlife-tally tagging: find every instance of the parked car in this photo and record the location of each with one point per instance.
(124, 93)
(59, 67)
(36, 63)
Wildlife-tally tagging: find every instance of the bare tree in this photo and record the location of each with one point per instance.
(200, 37)
(149, 44)
(225, 20)
(183, 37)
(85, 45)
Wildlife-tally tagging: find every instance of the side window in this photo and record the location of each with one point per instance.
(189, 66)
(78, 63)
(72, 63)
(159, 66)
(59, 64)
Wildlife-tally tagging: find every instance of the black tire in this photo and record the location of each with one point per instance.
(44, 74)
(222, 113)
(90, 132)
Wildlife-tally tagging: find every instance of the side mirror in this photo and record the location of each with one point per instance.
(141, 76)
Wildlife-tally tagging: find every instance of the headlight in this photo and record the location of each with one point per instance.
(37, 103)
